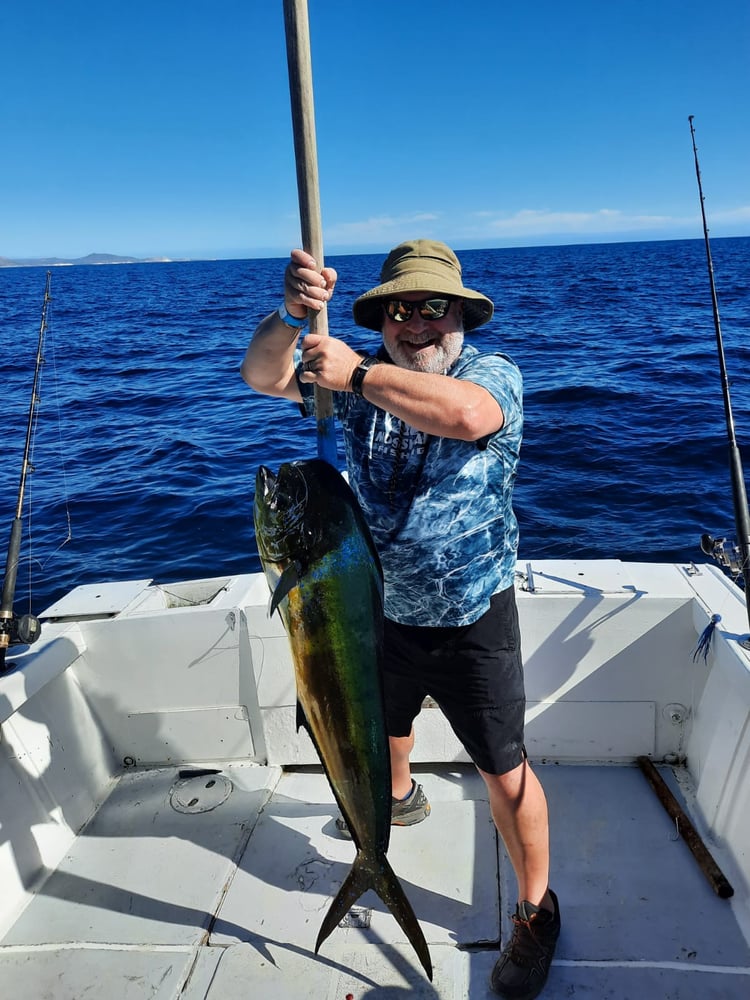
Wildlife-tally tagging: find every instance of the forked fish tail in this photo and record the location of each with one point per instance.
(374, 872)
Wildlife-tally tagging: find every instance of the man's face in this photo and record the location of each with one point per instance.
(424, 345)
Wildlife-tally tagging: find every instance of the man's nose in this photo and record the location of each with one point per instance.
(416, 321)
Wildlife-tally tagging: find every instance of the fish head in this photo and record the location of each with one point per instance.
(307, 518)
(278, 516)
(302, 512)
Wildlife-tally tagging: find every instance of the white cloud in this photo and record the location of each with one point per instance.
(740, 214)
(531, 221)
(528, 226)
(536, 222)
(378, 228)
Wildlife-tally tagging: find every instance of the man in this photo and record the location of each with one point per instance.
(432, 432)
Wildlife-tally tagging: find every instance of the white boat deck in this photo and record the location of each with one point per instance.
(224, 900)
(127, 876)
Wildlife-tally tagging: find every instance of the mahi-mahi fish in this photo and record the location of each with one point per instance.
(326, 581)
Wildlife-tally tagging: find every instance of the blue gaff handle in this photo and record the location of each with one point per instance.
(327, 441)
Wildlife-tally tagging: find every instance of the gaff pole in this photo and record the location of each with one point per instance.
(297, 28)
(739, 493)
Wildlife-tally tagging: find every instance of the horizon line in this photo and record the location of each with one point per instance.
(274, 253)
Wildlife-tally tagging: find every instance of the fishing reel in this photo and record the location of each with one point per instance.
(726, 554)
(22, 631)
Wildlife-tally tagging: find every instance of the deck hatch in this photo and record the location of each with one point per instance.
(200, 793)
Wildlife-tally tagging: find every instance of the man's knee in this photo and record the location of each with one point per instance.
(508, 786)
(401, 746)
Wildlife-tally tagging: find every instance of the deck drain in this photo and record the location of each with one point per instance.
(358, 916)
(201, 793)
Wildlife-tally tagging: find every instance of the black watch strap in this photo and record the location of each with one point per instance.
(361, 370)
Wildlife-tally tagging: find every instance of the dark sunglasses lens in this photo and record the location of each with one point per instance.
(434, 308)
(398, 311)
(429, 309)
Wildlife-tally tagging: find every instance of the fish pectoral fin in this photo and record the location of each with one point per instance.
(374, 872)
(288, 580)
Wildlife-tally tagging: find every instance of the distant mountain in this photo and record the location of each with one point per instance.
(92, 258)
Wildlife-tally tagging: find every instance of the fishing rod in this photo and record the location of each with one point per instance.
(25, 629)
(740, 562)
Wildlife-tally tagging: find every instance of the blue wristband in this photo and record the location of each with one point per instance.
(288, 320)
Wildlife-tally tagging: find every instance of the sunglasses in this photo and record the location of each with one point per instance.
(429, 309)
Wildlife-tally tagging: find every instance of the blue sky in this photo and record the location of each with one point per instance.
(163, 128)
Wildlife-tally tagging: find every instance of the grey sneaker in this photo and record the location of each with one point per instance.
(411, 810)
(521, 971)
(404, 812)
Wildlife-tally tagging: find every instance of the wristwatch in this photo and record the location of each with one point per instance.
(293, 322)
(360, 371)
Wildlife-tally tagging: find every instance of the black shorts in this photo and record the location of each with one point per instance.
(474, 673)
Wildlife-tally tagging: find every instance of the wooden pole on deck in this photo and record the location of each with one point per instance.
(297, 29)
(687, 831)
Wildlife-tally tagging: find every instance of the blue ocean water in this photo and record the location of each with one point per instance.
(148, 441)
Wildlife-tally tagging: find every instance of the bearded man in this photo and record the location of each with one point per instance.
(432, 432)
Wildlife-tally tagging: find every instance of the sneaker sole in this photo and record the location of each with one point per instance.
(413, 819)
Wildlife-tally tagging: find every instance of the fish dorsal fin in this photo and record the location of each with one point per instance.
(288, 580)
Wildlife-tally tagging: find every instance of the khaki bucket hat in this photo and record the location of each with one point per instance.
(421, 266)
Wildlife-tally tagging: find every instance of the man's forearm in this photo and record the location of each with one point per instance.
(268, 365)
(435, 404)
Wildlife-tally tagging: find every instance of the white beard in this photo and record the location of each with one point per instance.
(436, 361)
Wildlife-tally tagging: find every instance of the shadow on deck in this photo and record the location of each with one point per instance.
(224, 900)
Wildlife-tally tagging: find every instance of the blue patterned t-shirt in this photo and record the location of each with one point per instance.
(439, 509)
